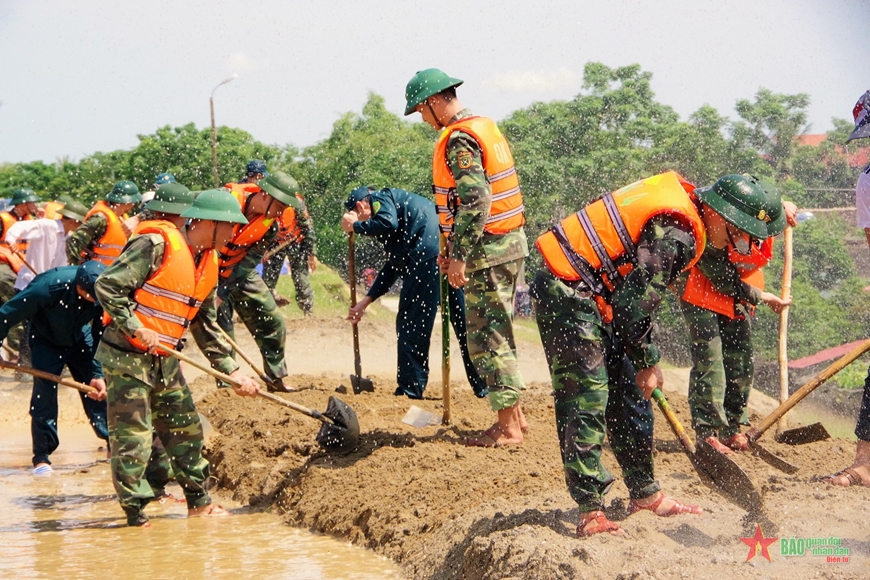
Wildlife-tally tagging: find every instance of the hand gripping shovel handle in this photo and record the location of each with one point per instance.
(675, 424)
(754, 433)
(262, 374)
(50, 377)
(227, 378)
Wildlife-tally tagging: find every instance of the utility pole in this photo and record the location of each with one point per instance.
(214, 163)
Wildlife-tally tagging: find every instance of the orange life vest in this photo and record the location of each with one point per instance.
(108, 247)
(51, 208)
(507, 212)
(597, 245)
(244, 235)
(289, 224)
(700, 291)
(15, 262)
(171, 297)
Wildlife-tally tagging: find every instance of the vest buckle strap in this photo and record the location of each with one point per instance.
(598, 246)
(619, 226)
(578, 262)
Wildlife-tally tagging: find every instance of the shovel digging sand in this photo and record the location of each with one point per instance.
(357, 381)
(340, 429)
(715, 469)
(446, 417)
(815, 431)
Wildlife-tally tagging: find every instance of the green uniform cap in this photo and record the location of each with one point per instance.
(742, 201)
(23, 195)
(218, 205)
(171, 198)
(72, 209)
(775, 211)
(280, 186)
(124, 192)
(424, 84)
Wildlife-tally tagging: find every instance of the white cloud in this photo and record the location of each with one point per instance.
(533, 81)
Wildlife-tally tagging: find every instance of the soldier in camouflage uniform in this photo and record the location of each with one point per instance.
(297, 242)
(721, 337)
(146, 389)
(595, 324)
(487, 243)
(85, 242)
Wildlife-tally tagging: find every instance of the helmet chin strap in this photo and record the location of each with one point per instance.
(214, 235)
(434, 116)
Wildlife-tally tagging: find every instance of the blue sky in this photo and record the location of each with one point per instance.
(85, 76)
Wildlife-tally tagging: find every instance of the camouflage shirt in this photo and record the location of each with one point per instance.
(142, 256)
(252, 258)
(664, 250)
(471, 244)
(79, 240)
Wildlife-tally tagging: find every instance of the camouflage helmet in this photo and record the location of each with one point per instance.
(741, 201)
(280, 186)
(171, 198)
(124, 192)
(23, 195)
(218, 205)
(425, 84)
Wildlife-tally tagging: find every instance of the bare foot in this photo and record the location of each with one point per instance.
(506, 431)
(524, 425)
(210, 510)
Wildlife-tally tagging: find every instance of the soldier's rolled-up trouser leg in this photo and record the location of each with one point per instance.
(629, 424)
(177, 424)
(43, 402)
(575, 342)
(301, 279)
(862, 425)
(489, 309)
(129, 403)
(7, 291)
(257, 309)
(737, 360)
(456, 298)
(272, 268)
(418, 302)
(79, 361)
(707, 377)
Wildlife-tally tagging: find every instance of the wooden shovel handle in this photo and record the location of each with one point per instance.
(799, 395)
(447, 416)
(263, 376)
(783, 322)
(49, 377)
(675, 424)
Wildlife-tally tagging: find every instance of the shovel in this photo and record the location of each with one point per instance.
(809, 433)
(783, 328)
(726, 476)
(340, 429)
(445, 340)
(49, 377)
(357, 381)
(261, 373)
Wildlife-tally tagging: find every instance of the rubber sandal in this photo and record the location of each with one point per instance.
(42, 469)
(738, 442)
(597, 523)
(676, 509)
(852, 476)
(718, 446)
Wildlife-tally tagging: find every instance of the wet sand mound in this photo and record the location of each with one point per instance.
(442, 510)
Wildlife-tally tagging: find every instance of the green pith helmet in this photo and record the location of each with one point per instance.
(280, 186)
(23, 195)
(775, 211)
(424, 84)
(741, 200)
(171, 198)
(216, 204)
(72, 209)
(124, 192)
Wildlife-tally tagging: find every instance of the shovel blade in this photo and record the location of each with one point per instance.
(803, 435)
(343, 434)
(772, 459)
(727, 477)
(360, 384)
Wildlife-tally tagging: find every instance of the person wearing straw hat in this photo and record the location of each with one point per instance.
(163, 283)
(60, 305)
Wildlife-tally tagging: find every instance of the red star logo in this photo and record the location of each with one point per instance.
(758, 543)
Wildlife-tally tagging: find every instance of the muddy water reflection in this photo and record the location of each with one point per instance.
(69, 525)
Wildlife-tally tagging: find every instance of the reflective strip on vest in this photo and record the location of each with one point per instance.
(162, 315)
(184, 299)
(109, 246)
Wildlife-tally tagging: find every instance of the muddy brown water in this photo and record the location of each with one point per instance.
(69, 524)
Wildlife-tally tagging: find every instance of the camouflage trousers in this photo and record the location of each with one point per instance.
(257, 309)
(722, 370)
(595, 393)
(7, 292)
(489, 310)
(298, 262)
(137, 411)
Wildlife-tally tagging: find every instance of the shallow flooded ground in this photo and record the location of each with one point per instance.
(69, 524)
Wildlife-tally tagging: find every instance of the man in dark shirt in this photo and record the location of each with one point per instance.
(407, 225)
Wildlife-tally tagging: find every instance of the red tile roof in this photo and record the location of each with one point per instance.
(855, 158)
(824, 355)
